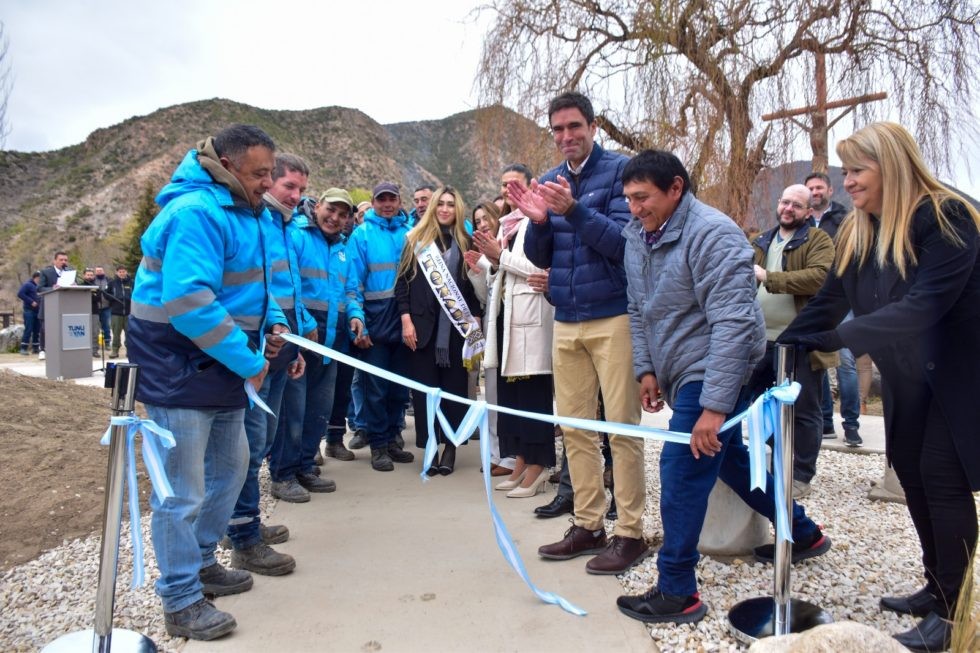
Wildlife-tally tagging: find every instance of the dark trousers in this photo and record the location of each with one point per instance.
(422, 363)
(383, 410)
(808, 422)
(937, 492)
(341, 400)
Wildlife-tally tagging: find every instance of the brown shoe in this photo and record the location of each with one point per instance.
(497, 470)
(578, 541)
(621, 554)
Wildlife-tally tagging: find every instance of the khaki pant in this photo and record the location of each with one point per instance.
(589, 356)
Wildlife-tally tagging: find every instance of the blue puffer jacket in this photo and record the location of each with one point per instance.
(286, 286)
(375, 248)
(584, 249)
(201, 297)
(327, 287)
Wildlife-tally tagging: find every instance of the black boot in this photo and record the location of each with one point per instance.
(931, 634)
(434, 465)
(919, 604)
(448, 460)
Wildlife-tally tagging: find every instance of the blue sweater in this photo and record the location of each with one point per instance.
(584, 249)
(201, 297)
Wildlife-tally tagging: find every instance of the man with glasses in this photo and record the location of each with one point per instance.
(791, 262)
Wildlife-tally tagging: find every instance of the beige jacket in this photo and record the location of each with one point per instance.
(529, 318)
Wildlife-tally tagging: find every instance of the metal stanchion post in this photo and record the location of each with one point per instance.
(763, 616)
(104, 638)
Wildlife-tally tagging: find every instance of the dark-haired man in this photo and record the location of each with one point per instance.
(121, 291)
(697, 331)
(578, 212)
(50, 279)
(200, 307)
(420, 199)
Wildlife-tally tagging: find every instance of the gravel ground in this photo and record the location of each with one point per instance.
(874, 554)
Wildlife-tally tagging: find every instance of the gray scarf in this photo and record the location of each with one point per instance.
(451, 256)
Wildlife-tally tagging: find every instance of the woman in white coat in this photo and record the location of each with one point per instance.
(519, 325)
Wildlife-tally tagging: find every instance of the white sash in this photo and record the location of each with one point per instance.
(451, 299)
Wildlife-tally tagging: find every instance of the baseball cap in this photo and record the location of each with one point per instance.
(386, 187)
(332, 195)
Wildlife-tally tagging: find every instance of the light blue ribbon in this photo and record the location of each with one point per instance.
(763, 420)
(154, 436)
(762, 409)
(255, 400)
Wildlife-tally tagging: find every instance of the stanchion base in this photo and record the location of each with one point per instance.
(753, 619)
(123, 641)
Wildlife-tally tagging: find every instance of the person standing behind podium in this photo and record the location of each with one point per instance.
(50, 277)
(908, 267)
(121, 290)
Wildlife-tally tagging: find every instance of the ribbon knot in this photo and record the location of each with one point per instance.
(154, 436)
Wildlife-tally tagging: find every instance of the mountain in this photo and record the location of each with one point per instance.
(81, 198)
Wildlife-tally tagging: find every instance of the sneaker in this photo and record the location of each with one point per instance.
(359, 441)
(40, 357)
(398, 454)
(263, 559)
(801, 489)
(275, 534)
(655, 607)
(218, 581)
(339, 451)
(199, 620)
(314, 483)
(381, 461)
(621, 554)
(851, 438)
(578, 541)
(817, 545)
(290, 491)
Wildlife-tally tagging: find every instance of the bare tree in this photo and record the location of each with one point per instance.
(5, 84)
(693, 75)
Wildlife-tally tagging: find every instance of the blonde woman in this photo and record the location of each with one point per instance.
(436, 345)
(907, 266)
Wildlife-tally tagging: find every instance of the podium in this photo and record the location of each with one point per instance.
(68, 332)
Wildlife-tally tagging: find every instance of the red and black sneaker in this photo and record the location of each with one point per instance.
(655, 607)
(816, 545)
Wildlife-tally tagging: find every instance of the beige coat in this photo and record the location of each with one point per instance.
(530, 319)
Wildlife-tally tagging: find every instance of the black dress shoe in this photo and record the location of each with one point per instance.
(931, 634)
(434, 465)
(448, 460)
(559, 506)
(919, 604)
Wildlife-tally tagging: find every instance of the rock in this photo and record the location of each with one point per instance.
(888, 488)
(10, 338)
(731, 528)
(830, 638)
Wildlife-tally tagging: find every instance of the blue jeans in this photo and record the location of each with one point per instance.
(320, 385)
(383, 412)
(260, 428)
(284, 457)
(354, 412)
(32, 331)
(206, 470)
(847, 387)
(686, 483)
(341, 400)
(105, 323)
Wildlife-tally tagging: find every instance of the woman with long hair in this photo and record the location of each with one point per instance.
(519, 331)
(907, 265)
(430, 274)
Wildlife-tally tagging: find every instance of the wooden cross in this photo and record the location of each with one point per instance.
(818, 129)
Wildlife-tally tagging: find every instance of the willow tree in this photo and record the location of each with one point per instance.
(694, 75)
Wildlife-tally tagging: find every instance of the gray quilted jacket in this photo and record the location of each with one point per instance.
(692, 307)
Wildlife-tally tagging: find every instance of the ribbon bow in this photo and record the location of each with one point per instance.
(154, 436)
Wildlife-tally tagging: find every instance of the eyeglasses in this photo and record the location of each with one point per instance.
(795, 205)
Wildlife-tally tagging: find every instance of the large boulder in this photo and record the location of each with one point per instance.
(731, 528)
(830, 638)
(10, 338)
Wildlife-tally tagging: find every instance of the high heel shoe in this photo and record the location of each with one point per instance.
(448, 460)
(521, 492)
(509, 484)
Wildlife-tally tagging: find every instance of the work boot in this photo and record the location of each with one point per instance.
(932, 634)
(398, 454)
(381, 461)
(23, 350)
(359, 441)
(218, 581)
(577, 541)
(318, 459)
(263, 559)
(290, 491)
(314, 483)
(199, 620)
(275, 534)
(621, 554)
(339, 451)
(399, 440)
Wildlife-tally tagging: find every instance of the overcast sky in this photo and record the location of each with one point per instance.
(78, 66)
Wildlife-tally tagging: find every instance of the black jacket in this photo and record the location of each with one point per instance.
(831, 220)
(922, 331)
(122, 293)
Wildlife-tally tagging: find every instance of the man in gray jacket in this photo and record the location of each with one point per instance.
(697, 331)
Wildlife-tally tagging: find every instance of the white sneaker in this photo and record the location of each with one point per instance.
(40, 356)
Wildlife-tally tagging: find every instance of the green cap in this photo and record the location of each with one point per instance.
(332, 195)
